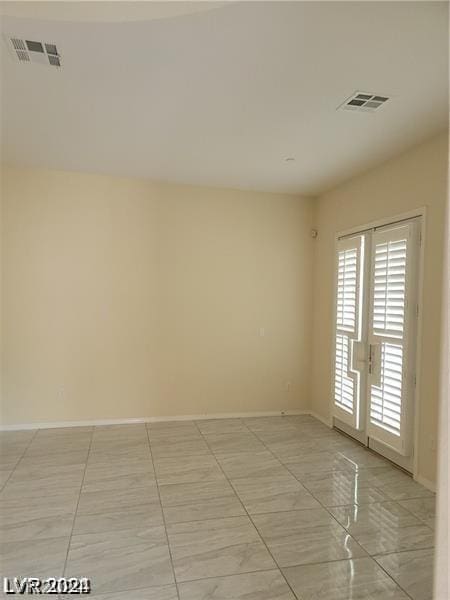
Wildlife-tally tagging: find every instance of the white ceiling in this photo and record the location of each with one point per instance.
(103, 11)
(222, 96)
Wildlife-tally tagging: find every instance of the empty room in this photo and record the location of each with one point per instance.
(224, 300)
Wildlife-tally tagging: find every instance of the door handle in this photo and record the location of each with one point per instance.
(370, 359)
(359, 358)
(374, 366)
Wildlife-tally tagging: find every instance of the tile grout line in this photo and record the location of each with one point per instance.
(19, 459)
(368, 555)
(403, 551)
(398, 552)
(324, 507)
(430, 495)
(156, 587)
(214, 455)
(211, 452)
(78, 502)
(423, 521)
(317, 500)
(247, 513)
(162, 512)
(391, 577)
(210, 577)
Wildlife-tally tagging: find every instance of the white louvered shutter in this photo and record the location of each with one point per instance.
(347, 329)
(389, 329)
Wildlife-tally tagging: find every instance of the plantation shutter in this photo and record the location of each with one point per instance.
(389, 381)
(347, 329)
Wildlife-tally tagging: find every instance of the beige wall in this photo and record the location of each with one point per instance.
(124, 298)
(415, 179)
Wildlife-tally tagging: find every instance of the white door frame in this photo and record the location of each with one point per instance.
(418, 212)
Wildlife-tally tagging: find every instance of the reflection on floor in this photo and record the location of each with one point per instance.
(268, 508)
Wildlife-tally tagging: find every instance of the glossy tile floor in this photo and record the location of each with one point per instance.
(269, 508)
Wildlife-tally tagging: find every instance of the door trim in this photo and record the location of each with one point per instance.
(359, 436)
(422, 227)
(391, 455)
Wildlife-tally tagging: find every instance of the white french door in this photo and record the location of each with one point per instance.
(375, 332)
(347, 382)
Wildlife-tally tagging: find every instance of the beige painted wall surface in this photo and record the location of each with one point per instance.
(415, 179)
(123, 298)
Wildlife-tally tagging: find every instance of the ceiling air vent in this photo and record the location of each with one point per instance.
(24, 56)
(364, 101)
(34, 51)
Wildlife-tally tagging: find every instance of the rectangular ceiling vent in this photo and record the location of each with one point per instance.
(364, 102)
(32, 51)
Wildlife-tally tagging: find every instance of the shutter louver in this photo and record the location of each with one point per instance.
(386, 399)
(344, 388)
(346, 381)
(347, 289)
(389, 288)
(390, 322)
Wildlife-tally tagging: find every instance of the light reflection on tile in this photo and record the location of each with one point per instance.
(338, 488)
(422, 508)
(413, 571)
(405, 490)
(358, 579)
(305, 536)
(304, 463)
(265, 495)
(279, 468)
(384, 527)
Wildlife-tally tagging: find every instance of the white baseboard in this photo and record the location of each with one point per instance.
(324, 420)
(56, 424)
(430, 485)
(100, 422)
